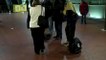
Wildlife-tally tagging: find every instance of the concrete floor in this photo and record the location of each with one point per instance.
(16, 42)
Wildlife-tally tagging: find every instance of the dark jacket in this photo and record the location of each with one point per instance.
(48, 7)
(58, 8)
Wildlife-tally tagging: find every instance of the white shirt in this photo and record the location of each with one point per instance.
(35, 12)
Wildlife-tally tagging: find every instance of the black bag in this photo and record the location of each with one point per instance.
(42, 22)
(76, 46)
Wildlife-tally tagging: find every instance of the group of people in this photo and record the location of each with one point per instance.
(59, 11)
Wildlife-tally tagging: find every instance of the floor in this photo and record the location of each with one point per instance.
(16, 42)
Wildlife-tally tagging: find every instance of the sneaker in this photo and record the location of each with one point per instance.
(42, 51)
(65, 44)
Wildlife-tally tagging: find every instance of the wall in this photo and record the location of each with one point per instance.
(95, 11)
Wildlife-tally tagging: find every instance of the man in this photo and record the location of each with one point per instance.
(48, 13)
(58, 8)
(83, 10)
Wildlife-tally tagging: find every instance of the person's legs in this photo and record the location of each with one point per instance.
(50, 25)
(38, 39)
(58, 28)
(84, 18)
(35, 39)
(70, 32)
(41, 39)
(71, 25)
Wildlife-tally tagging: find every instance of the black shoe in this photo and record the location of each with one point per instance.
(57, 38)
(37, 52)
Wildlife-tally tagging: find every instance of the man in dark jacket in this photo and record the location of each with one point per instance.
(58, 8)
(83, 10)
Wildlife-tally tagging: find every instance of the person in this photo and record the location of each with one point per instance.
(37, 32)
(69, 22)
(71, 18)
(57, 17)
(48, 14)
(83, 10)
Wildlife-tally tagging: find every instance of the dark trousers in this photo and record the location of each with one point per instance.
(38, 38)
(70, 30)
(83, 19)
(28, 19)
(58, 18)
(58, 28)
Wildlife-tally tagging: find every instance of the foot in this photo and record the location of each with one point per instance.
(57, 38)
(42, 51)
(37, 52)
(65, 44)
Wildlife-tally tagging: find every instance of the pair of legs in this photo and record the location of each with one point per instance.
(70, 31)
(50, 21)
(58, 18)
(71, 25)
(58, 29)
(83, 19)
(38, 39)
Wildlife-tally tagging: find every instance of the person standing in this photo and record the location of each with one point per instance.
(71, 19)
(58, 7)
(37, 32)
(73, 44)
(83, 10)
(48, 14)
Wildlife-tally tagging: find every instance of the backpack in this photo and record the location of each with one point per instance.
(76, 46)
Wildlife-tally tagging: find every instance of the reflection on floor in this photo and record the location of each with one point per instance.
(16, 42)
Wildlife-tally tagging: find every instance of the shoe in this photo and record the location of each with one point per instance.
(37, 52)
(57, 38)
(65, 44)
(42, 51)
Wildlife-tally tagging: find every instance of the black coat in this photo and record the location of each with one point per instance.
(58, 10)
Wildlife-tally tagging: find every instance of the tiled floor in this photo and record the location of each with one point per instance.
(16, 42)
